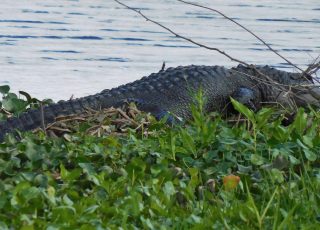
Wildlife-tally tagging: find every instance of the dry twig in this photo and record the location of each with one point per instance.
(246, 29)
(115, 121)
(181, 36)
(313, 67)
(42, 119)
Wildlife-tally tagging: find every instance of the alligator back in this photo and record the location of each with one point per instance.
(174, 89)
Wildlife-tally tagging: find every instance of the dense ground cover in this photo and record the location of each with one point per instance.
(209, 173)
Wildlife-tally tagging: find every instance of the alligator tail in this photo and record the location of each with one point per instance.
(34, 118)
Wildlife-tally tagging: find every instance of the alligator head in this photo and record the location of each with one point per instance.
(304, 91)
(283, 88)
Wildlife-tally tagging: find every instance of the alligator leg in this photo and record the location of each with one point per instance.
(246, 97)
(158, 112)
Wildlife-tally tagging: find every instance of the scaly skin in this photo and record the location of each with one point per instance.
(173, 90)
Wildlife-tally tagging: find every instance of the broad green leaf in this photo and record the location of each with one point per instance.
(294, 160)
(277, 175)
(27, 227)
(169, 189)
(257, 159)
(14, 105)
(70, 175)
(244, 169)
(243, 110)
(91, 209)
(51, 193)
(308, 141)
(263, 116)
(63, 172)
(300, 121)
(28, 97)
(3, 226)
(67, 201)
(30, 193)
(33, 151)
(4, 89)
(188, 142)
(310, 155)
(87, 168)
(64, 213)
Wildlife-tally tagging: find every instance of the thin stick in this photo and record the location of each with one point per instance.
(246, 29)
(183, 37)
(313, 67)
(42, 118)
(190, 40)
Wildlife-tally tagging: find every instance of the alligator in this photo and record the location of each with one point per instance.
(169, 93)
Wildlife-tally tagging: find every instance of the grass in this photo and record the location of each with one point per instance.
(207, 174)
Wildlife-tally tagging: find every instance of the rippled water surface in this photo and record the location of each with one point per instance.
(59, 48)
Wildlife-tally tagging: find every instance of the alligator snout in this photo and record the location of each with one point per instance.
(315, 92)
(311, 96)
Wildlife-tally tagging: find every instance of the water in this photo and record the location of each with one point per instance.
(59, 48)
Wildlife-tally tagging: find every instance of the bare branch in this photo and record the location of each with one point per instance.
(183, 37)
(246, 29)
(42, 117)
(314, 66)
(194, 42)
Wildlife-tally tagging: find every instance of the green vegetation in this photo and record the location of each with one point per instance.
(160, 177)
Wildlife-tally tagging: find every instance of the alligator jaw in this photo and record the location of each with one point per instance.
(315, 92)
(309, 97)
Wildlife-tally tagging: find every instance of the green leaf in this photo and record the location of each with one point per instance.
(263, 116)
(4, 89)
(277, 175)
(188, 142)
(257, 159)
(14, 105)
(243, 110)
(63, 172)
(169, 189)
(91, 209)
(28, 97)
(27, 227)
(3, 226)
(244, 169)
(293, 160)
(67, 201)
(64, 213)
(70, 175)
(31, 193)
(194, 172)
(87, 168)
(33, 151)
(51, 193)
(310, 155)
(300, 121)
(308, 141)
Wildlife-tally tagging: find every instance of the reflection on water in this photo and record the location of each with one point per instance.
(59, 48)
